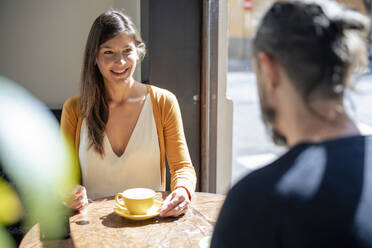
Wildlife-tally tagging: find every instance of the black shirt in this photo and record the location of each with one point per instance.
(315, 195)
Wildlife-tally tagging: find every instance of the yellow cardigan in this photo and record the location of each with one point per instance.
(171, 136)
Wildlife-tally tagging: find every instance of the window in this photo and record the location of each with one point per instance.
(252, 147)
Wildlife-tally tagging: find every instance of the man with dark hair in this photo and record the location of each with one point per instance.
(318, 194)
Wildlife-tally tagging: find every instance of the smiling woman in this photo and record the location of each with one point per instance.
(106, 55)
(121, 128)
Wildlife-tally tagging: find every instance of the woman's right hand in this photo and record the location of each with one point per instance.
(79, 198)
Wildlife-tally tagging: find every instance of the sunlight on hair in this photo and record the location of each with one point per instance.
(357, 46)
(36, 157)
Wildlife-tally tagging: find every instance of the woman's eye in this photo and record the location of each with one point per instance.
(107, 52)
(128, 50)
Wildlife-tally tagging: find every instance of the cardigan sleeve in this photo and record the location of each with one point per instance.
(69, 118)
(69, 122)
(181, 169)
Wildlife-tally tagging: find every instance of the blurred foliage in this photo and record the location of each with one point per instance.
(5, 239)
(10, 205)
(38, 160)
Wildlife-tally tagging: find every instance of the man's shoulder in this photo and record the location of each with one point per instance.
(264, 181)
(257, 185)
(299, 173)
(268, 172)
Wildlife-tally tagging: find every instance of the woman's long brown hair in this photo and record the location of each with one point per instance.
(94, 103)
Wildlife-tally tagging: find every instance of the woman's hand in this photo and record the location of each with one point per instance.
(79, 198)
(175, 204)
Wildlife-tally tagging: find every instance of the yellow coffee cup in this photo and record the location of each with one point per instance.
(137, 200)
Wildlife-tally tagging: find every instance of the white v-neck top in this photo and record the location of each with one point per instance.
(138, 166)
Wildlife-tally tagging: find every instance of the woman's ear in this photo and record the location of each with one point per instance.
(138, 54)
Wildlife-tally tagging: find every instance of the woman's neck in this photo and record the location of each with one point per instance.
(120, 92)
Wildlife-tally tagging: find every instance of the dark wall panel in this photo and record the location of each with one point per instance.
(172, 32)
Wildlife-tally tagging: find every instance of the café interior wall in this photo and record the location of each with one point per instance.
(42, 43)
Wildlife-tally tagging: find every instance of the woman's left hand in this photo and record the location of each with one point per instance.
(175, 204)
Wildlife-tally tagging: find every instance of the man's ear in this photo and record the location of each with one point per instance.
(269, 71)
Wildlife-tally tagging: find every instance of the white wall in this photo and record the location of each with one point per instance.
(42, 43)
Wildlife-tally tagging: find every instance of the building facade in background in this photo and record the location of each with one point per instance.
(245, 16)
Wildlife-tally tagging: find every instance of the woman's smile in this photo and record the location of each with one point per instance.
(120, 72)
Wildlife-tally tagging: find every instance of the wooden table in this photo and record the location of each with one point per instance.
(98, 226)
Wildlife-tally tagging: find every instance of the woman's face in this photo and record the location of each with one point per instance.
(117, 58)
